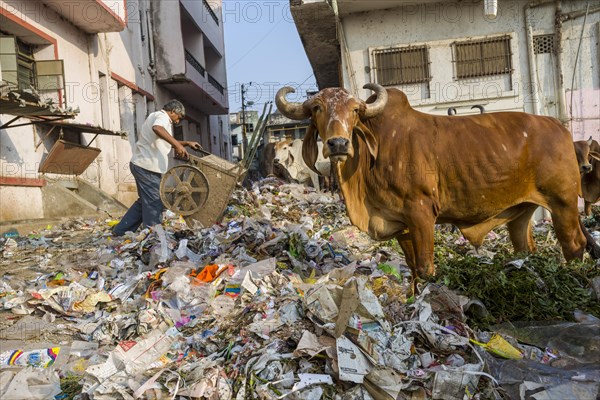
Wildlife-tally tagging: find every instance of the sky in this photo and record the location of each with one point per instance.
(262, 46)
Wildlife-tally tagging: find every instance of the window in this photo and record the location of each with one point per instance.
(16, 59)
(474, 58)
(20, 69)
(401, 65)
(25, 65)
(49, 75)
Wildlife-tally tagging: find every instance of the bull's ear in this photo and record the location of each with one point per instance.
(595, 155)
(369, 139)
(310, 149)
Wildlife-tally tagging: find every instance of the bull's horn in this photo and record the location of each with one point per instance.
(452, 111)
(382, 97)
(294, 111)
(590, 140)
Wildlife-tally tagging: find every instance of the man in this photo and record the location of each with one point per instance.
(150, 160)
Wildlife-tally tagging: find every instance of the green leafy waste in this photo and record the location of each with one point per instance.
(70, 387)
(544, 287)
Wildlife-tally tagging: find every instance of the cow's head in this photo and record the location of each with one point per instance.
(585, 156)
(335, 116)
(283, 153)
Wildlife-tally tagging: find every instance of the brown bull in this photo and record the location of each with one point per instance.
(402, 171)
(588, 158)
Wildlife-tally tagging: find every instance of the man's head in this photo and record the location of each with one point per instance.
(175, 110)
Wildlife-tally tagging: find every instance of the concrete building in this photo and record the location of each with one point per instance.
(541, 57)
(101, 66)
(236, 122)
(281, 128)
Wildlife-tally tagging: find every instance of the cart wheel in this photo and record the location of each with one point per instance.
(184, 189)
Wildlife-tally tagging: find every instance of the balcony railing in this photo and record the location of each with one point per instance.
(210, 11)
(195, 63)
(216, 84)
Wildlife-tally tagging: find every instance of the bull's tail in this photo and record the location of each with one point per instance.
(591, 246)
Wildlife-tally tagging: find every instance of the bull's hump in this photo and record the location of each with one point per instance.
(397, 101)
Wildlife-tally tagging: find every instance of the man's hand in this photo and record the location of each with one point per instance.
(181, 152)
(193, 145)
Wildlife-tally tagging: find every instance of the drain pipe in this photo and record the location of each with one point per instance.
(345, 50)
(565, 17)
(151, 52)
(541, 213)
(562, 107)
(579, 13)
(534, 84)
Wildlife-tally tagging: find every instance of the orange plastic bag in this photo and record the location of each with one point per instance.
(208, 273)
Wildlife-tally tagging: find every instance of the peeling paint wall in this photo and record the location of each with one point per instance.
(102, 101)
(169, 49)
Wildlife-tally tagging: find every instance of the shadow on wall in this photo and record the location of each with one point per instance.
(8, 151)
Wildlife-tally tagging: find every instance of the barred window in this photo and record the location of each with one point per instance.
(401, 65)
(474, 58)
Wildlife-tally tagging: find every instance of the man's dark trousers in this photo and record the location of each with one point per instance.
(148, 208)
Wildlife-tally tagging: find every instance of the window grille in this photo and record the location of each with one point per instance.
(402, 65)
(475, 58)
(544, 44)
(26, 65)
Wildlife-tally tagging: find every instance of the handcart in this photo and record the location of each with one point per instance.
(200, 188)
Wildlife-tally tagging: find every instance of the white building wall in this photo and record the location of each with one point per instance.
(111, 79)
(101, 101)
(212, 30)
(437, 25)
(197, 33)
(19, 157)
(119, 7)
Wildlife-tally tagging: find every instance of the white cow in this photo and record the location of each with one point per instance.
(289, 154)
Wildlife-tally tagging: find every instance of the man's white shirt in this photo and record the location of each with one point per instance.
(150, 151)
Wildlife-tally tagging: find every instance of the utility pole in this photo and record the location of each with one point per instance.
(244, 136)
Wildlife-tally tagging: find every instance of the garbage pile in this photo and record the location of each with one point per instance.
(283, 300)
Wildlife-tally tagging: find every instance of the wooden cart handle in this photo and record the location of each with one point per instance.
(202, 151)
